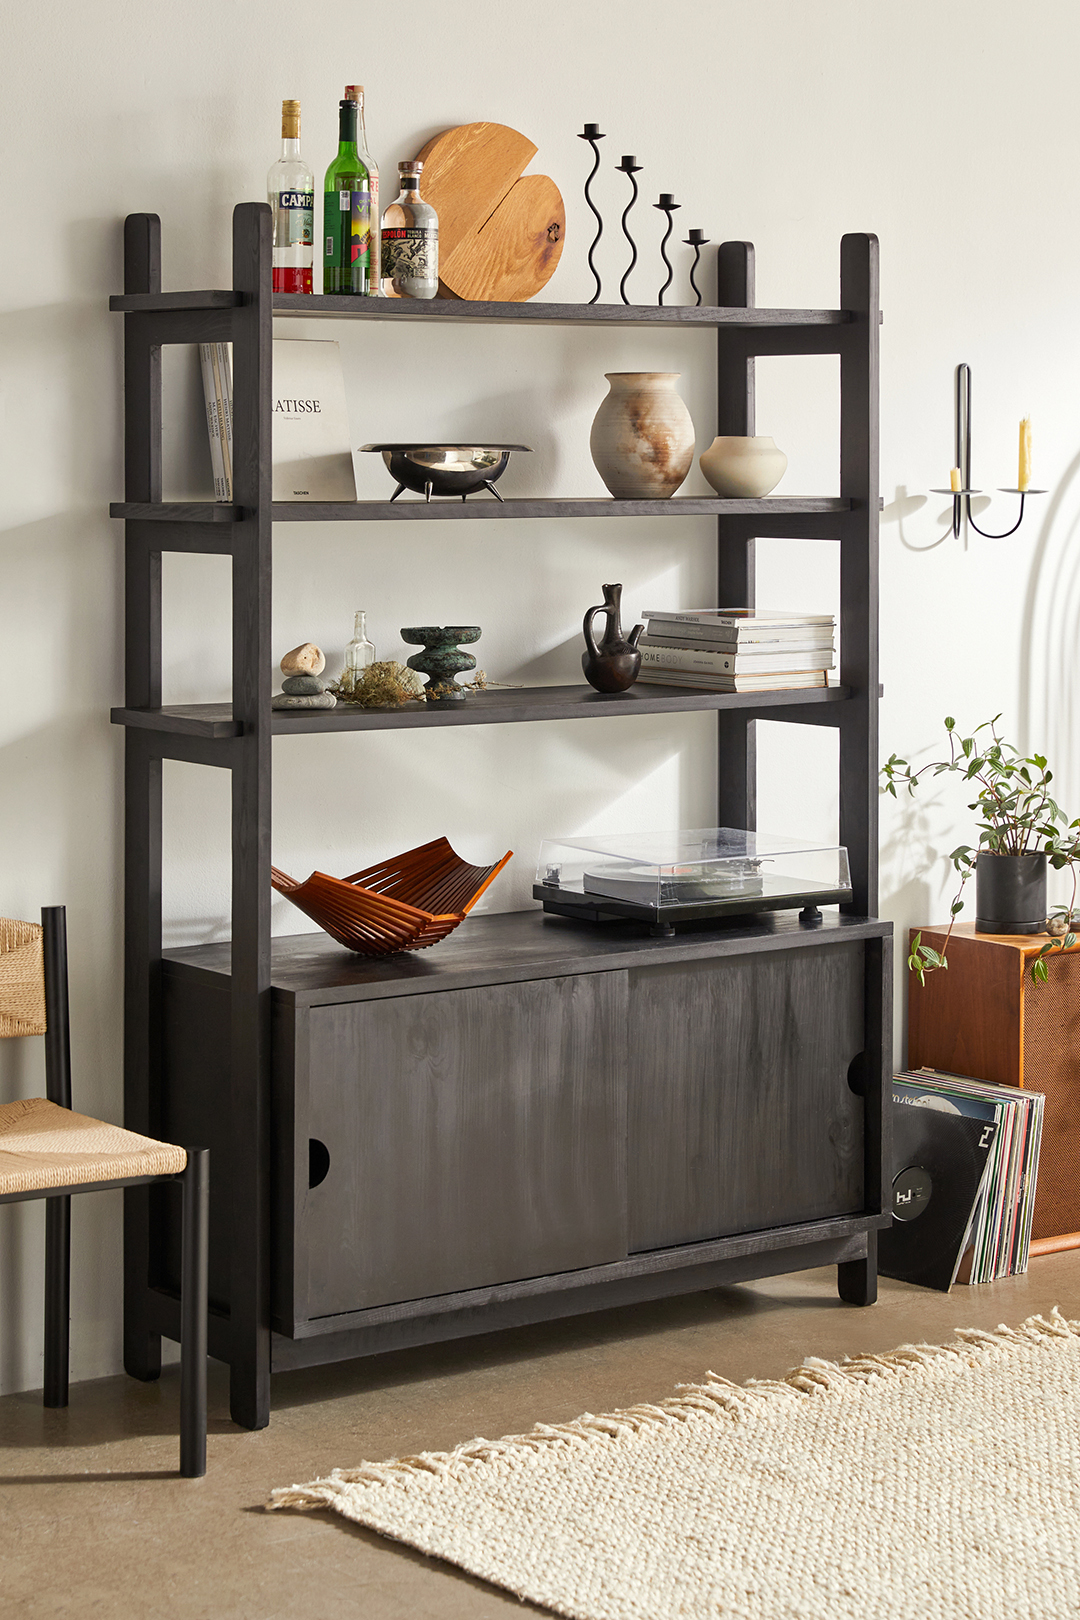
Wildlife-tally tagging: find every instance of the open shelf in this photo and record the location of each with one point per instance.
(409, 510)
(537, 313)
(497, 707)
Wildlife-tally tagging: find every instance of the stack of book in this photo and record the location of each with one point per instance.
(737, 649)
(998, 1232)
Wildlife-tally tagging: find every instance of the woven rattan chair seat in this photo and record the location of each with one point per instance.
(43, 1145)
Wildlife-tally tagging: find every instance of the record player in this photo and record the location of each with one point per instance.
(665, 878)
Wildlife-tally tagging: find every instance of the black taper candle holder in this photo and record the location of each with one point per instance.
(961, 498)
(629, 166)
(667, 205)
(697, 240)
(592, 133)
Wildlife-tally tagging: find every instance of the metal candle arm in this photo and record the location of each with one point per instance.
(667, 205)
(962, 449)
(592, 133)
(629, 166)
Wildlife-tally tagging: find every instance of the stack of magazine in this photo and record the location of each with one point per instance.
(998, 1231)
(217, 393)
(737, 649)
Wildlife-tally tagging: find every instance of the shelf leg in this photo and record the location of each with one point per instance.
(856, 1280)
(736, 578)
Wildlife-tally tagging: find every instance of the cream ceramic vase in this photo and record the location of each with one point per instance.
(642, 438)
(746, 468)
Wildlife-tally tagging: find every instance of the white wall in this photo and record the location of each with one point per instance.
(950, 130)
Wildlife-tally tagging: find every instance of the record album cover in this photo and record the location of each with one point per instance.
(939, 1163)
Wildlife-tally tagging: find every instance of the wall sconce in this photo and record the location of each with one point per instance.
(960, 488)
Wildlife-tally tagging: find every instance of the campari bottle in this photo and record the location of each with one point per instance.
(355, 92)
(347, 213)
(290, 187)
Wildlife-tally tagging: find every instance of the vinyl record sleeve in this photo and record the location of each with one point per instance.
(939, 1163)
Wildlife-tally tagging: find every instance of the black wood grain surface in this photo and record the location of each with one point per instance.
(474, 1137)
(740, 1115)
(312, 970)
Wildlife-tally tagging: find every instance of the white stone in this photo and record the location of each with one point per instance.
(306, 659)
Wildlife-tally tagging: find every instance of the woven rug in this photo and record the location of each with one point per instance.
(936, 1481)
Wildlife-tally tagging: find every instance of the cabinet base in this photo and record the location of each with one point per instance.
(402, 1334)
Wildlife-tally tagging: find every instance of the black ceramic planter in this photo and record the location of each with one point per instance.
(1010, 894)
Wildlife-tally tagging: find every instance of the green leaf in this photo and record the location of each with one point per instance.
(949, 722)
(956, 908)
(1069, 941)
(931, 956)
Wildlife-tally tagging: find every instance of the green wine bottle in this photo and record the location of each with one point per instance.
(347, 213)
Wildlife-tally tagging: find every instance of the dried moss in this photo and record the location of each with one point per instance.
(383, 685)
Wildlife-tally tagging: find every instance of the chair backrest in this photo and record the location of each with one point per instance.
(34, 992)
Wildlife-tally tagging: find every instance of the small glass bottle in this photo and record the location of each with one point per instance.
(410, 241)
(355, 92)
(359, 654)
(290, 190)
(347, 266)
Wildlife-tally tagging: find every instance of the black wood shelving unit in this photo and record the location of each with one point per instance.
(238, 737)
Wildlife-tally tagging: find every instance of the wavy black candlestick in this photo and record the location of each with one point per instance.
(629, 166)
(697, 240)
(667, 205)
(592, 133)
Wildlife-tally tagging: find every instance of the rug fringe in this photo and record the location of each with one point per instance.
(813, 1379)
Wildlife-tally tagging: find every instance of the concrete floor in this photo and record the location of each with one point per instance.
(97, 1522)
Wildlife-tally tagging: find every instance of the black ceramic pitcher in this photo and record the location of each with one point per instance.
(612, 664)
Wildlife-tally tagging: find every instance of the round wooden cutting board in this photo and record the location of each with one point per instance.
(500, 231)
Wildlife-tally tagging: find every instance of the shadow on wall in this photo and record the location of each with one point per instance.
(1050, 643)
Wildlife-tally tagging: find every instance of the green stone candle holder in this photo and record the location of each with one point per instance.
(441, 659)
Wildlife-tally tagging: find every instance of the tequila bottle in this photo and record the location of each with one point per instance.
(290, 189)
(347, 213)
(359, 654)
(410, 241)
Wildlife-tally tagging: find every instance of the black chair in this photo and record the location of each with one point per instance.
(48, 1151)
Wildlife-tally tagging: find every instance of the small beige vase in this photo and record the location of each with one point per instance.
(642, 438)
(744, 468)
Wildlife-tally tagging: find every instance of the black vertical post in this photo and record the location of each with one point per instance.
(57, 1017)
(252, 666)
(193, 1304)
(856, 1280)
(736, 745)
(57, 1299)
(57, 1210)
(859, 474)
(142, 773)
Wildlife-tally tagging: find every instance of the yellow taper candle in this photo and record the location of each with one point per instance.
(1024, 475)
(954, 480)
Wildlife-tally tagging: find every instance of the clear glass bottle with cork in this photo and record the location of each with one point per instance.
(410, 241)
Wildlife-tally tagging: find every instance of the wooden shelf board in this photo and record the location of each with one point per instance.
(212, 720)
(544, 314)
(165, 302)
(497, 707)
(176, 511)
(536, 312)
(509, 946)
(412, 509)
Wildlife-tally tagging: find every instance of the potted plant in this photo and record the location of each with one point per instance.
(1021, 831)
